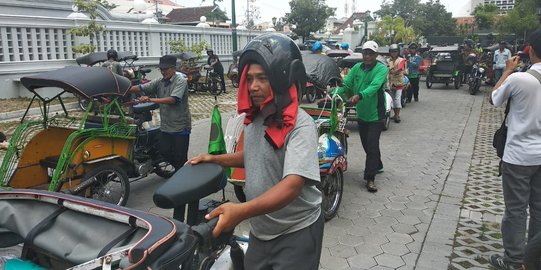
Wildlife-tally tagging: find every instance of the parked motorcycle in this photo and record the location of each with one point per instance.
(233, 71)
(476, 77)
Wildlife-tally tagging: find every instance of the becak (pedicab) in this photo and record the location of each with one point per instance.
(323, 72)
(93, 156)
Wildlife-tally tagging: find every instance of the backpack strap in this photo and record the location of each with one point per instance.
(534, 73)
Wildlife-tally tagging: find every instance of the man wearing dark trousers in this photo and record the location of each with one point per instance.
(414, 61)
(214, 61)
(521, 161)
(176, 119)
(365, 87)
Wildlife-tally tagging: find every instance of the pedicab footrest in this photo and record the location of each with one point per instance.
(52, 161)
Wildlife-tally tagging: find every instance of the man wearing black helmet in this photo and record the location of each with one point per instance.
(280, 160)
(214, 61)
(112, 62)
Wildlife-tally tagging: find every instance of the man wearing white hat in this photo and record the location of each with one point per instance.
(364, 86)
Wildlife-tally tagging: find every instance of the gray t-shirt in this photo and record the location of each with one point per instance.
(265, 167)
(174, 117)
(523, 145)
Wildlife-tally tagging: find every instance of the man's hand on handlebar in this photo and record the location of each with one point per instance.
(230, 215)
(203, 158)
(144, 99)
(353, 100)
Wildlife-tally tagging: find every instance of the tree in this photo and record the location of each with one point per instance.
(406, 9)
(485, 15)
(92, 28)
(252, 14)
(521, 19)
(393, 30)
(433, 20)
(308, 16)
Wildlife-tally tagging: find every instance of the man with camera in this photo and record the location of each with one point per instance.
(521, 161)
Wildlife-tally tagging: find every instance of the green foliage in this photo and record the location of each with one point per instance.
(216, 15)
(426, 19)
(197, 49)
(432, 19)
(406, 9)
(485, 15)
(521, 19)
(393, 30)
(92, 28)
(308, 16)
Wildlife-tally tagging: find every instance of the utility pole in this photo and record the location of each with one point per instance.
(233, 26)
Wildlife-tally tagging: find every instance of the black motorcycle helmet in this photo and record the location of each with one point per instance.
(469, 42)
(281, 59)
(112, 54)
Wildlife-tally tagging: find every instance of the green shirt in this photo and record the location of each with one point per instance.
(369, 84)
(174, 117)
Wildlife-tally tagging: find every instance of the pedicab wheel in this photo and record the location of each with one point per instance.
(83, 103)
(311, 94)
(239, 193)
(215, 86)
(206, 263)
(387, 121)
(331, 187)
(112, 184)
(234, 81)
(164, 169)
(457, 81)
(428, 82)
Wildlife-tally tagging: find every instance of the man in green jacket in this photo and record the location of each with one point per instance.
(364, 86)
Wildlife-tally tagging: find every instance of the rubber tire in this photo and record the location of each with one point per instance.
(164, 173)
(239, 193)
(83, 103)
(234, 81)
(215, 86)
(404, 98)
(123, 178)
(458, 80)
(474, 86)
(387, 121)
(428, 82)
(329, 213)
(311, 94)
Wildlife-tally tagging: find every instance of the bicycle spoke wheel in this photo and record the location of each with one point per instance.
(112, 184)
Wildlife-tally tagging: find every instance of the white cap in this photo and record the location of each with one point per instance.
(371, 45)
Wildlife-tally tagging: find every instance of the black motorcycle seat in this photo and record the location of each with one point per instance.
(190, 184)
(145, 70)
(144, 107)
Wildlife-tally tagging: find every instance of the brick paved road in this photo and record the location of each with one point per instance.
(411, 222)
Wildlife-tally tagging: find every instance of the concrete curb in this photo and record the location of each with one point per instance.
(438, 244)
(6, 116)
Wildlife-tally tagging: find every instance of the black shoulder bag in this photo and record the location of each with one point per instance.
(500, 136)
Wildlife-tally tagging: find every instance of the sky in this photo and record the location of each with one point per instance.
(278, 8)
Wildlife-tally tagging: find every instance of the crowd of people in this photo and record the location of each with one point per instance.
(280, 141)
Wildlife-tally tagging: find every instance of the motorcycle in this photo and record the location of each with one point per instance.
(233, 71)
(476, 77)
(98, 235)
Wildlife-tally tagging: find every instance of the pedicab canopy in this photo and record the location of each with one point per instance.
(321, 70)
(87, 82)
(97, 57)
